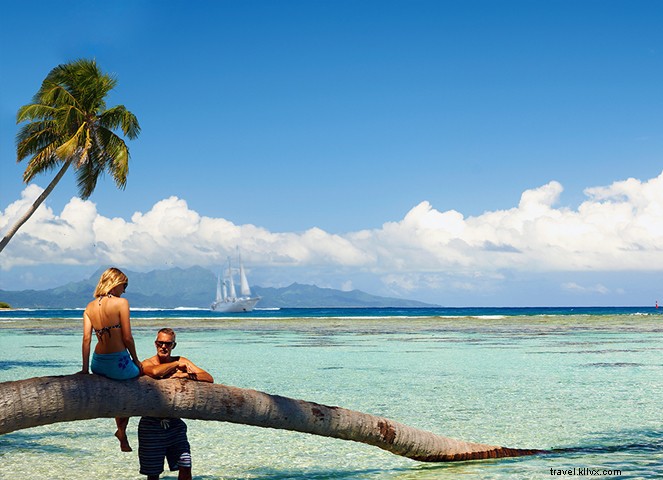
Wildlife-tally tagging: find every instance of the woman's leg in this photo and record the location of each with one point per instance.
(121, 433)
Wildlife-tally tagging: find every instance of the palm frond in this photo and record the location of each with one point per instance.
(69, 119)
(87, 176)
(70, 147)
(43, 161)
(57, 95)
(120, 117)
(33, 137)
(91, 84)
(34, 111)
(117, 155)
(96, 91)
(120, 165)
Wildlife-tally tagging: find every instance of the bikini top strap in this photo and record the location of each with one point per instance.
(103, 330)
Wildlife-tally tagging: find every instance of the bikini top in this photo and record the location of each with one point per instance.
(103, 330)
(99, 333)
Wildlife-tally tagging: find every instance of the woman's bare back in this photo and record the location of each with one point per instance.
(105, 315)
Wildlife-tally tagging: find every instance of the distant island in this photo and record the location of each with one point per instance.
(196, 287)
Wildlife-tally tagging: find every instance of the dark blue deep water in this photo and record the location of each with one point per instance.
(347, 312)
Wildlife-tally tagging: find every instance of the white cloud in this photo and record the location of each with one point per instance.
(618, 227)
(347, 286)
(598, 288)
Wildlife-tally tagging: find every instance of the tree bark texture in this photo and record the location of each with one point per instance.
(45, 400)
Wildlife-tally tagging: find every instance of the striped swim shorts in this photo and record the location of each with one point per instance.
(160, 438)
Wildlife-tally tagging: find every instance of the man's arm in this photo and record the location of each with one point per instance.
(152, 368)
(192, 372)
(180, 368)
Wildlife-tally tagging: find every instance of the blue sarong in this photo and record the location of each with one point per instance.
(117, 366)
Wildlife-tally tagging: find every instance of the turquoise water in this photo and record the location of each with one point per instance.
(588, 386)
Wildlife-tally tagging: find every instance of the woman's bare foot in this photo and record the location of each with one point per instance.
(124, 441)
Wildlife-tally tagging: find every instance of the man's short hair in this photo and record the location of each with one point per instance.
(167, 331)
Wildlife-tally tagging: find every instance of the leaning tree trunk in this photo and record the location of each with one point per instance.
(40, 199)
(44, 400)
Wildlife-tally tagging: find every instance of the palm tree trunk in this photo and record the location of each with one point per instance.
(40, 199)
(45, 400)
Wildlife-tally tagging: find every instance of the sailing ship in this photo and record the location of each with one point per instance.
(226, 296)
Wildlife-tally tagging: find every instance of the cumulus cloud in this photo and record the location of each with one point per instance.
(617, 227)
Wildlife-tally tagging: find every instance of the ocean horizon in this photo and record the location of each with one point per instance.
(342, 312)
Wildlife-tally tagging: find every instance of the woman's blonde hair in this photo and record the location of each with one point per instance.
(110, 279)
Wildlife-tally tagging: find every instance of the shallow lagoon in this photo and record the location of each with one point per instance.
(590, 387)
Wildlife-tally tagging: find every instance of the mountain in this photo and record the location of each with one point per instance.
(302, 296)
(194, 287)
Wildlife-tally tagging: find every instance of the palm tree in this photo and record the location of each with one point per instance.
(45, 400)
(68, 124)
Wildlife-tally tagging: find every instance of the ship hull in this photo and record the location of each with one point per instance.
(235, 306)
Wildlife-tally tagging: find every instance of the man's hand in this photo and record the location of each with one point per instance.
(185, 370)
(179, 367)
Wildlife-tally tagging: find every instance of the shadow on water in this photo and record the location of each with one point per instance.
(416, 471)
(637, 444)
(39, 442)
(303, 474)
(10, 364)
(644, 442)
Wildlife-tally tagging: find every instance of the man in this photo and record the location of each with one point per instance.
(166, 437)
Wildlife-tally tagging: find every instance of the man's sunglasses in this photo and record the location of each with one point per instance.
(164, 344)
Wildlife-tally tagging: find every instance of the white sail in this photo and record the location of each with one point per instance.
(219, 295)
(244, 289)
(232, 292)
(225, 293)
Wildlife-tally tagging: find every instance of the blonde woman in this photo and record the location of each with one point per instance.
(107, 316)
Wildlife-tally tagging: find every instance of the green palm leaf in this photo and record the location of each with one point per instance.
(119, 117)
(44, 161)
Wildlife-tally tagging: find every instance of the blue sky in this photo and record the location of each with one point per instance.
(307, 129)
